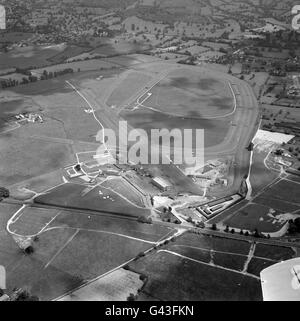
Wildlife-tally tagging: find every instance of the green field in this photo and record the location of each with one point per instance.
(177, 279)
(203, 267)
(95, 199)
(119, 185)
(255, 216)
(23, 158)
(38, 56)
(191, 94)
(73, 247)
(186, 99)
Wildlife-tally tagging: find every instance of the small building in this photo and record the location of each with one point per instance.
(162, 184)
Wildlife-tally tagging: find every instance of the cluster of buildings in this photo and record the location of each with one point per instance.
(30, 117)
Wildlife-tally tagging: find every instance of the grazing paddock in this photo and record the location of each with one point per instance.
(257, 265)
(90, 254)
(30, 56)
(116, 286)
(179, 279)
(73, 248)
(278, 253)
(214, 243)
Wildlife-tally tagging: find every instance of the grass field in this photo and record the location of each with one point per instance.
(278, 253)
(182, 100)
(214, 130)
(24, 158)
(96, 199)
(269, 210)
(256, 216)
(119, 185)
(29, 56)
(202, 267)
(74, 247)
(174, 278)
(128, 87)
(214, 243)
(188, 93)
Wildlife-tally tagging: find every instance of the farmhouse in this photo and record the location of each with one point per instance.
(161, 183)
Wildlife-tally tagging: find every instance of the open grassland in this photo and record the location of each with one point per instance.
(23, 158)
(116, 286)
(30, 56)
(286, 191)
(89, 198)
(36, 217)
(122, 187)
(72, 247)
(134, 82)
(90, 254)
(214, 129)
(194, 94)
(256, 216)
(183, 98)
(269, 210)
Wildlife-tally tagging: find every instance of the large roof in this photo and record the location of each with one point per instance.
(281, 281)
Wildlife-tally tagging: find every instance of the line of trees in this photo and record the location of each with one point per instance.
(7, 83)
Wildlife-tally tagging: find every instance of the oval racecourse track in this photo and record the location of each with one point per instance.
(243, 113)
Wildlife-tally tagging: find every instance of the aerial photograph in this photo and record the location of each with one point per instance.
(149, 151)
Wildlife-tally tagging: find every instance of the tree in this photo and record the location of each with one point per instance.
(29, 250)
(131, 297)
(214, 227)
(297, 223)
(190, 220)
(4, 192)
(241, 232)
(226, 229)
(256, 234)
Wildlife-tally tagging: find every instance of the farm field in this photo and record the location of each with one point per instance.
(269, 211)
(117, 286)
(30, 56)
(89, 65)
(62, 260)
(19, 159)
(226, 263)
(173, 278)
(89, 198)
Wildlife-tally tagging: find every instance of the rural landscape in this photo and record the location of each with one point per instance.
(84, 217)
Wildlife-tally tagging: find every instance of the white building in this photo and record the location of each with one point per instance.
(161, 183)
